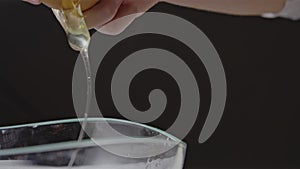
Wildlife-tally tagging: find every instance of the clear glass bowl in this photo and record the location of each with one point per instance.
(52, 144)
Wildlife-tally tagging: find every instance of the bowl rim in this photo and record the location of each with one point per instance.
(75, 144)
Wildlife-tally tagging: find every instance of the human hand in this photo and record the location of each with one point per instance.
(102, 14)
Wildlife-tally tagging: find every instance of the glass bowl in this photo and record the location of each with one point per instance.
(54, 144)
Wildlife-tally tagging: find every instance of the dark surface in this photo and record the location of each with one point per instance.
(260, 125)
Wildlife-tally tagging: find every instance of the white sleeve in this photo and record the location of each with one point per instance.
(291, 10)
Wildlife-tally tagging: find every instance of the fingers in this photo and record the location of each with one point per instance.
(125, 16)
(127, 13)
(102, 13)
(35, 2)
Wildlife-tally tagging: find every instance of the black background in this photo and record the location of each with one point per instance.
(260, 125)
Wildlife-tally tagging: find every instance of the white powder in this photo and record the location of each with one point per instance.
(156, 164)
(24, 165)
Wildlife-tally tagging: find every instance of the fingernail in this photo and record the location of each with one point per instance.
(35, 2)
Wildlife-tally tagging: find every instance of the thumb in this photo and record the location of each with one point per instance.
(35, 2)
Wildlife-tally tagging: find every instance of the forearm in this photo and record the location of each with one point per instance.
(234, 7)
